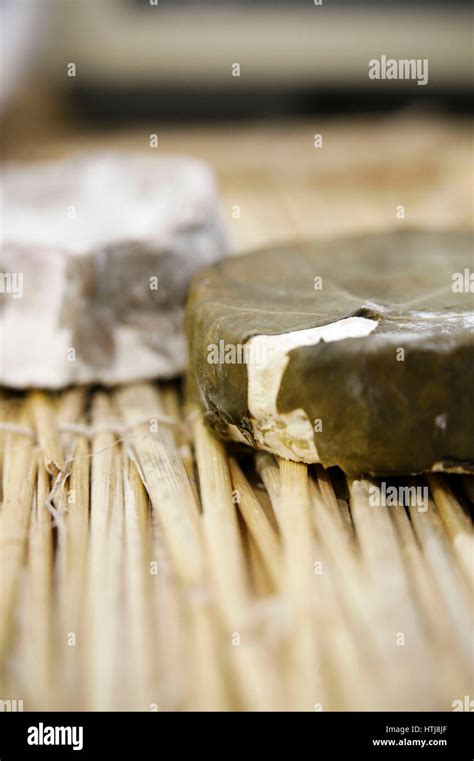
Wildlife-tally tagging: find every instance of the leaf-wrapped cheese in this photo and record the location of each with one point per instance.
(356, 352)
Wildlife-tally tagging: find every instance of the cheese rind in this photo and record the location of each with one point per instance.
(370, 402)
(106, 245)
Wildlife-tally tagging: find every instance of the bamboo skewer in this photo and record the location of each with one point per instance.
(259, 526)
(43, 413)
(220, 525)
(72, 554)
(429, 530)
(260, 580)
(351, 603)
(340, 511)
(326, 488)
(71, 503)
(103, 572)
(112, 637)
(269, 472)
(398, 614)
(256, 679)
(208, 690)
(439, 633)
(172, 408)
(137, 580)
(172, 661)
(17, 500)
(456, 522)
(38, 659)
(296, 529)
(349, 581)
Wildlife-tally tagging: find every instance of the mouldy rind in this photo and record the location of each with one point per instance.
(105, 245)
(368, 344)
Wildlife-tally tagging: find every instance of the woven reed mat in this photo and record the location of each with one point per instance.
(146, 566)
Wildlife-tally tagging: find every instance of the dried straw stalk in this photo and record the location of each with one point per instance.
(143, 568)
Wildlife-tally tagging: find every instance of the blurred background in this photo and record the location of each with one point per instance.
(275, 95)
(137, 58)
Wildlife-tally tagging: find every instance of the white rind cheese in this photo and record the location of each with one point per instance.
(101, 249)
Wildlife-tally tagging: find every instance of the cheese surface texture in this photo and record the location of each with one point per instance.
(359, 352)
(96, 254)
